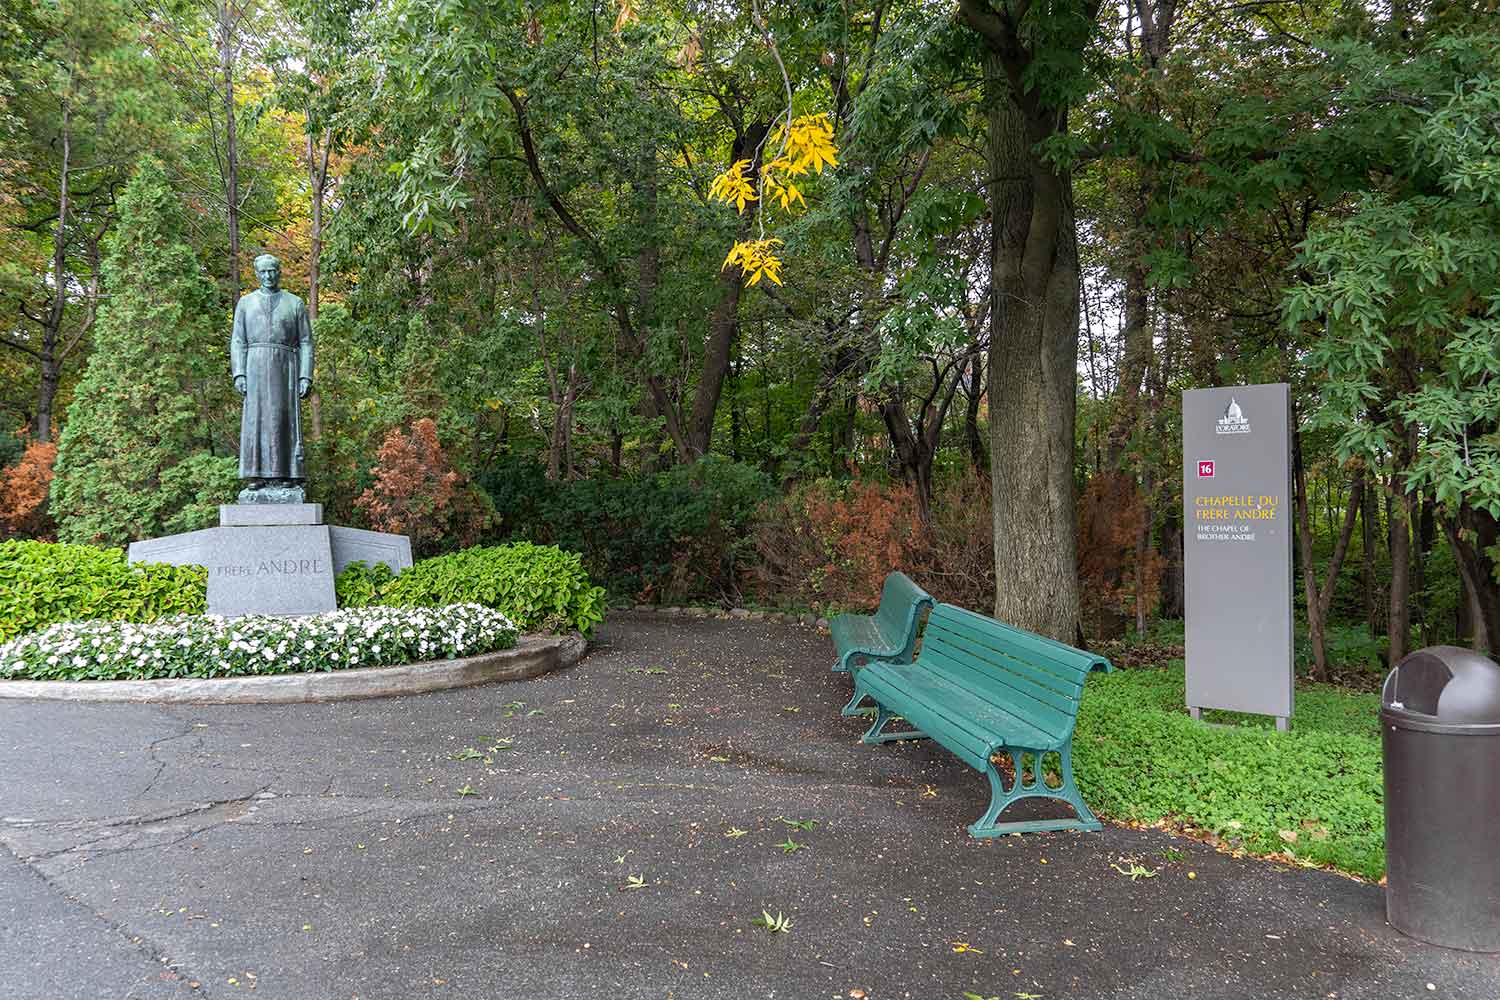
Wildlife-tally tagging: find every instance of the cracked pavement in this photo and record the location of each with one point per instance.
(578, 835)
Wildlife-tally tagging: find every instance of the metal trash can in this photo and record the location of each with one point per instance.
(1440, 727)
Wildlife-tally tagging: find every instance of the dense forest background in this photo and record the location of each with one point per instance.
(1045, 221)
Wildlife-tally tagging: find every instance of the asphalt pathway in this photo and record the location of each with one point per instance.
(611, 831)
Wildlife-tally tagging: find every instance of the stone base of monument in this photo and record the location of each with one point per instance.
(274, 559)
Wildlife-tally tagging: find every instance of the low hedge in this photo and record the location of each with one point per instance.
(539, 587)
(210, 646)
(42, 583)
(1315, 793)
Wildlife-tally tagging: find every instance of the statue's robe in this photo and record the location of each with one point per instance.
(272, 347)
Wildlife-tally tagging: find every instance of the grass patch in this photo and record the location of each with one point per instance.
(1315, 793)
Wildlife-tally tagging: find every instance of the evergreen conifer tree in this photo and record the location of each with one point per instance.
(132, 462)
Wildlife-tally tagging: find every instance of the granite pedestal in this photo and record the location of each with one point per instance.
(274, 559)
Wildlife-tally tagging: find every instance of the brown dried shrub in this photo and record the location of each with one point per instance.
(23, 494)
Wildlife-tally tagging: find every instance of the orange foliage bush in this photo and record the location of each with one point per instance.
(1111, 515)
(831, 546)
(23, 494)
(827, 545)
(419, 494)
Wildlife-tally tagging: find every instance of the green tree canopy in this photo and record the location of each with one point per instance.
(133, 462)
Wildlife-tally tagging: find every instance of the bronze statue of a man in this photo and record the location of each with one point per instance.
(271, 357)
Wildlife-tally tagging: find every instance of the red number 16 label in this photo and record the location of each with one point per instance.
(1205, 470)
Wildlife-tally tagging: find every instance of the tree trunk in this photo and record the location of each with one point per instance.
(724, 321)
(1142, 560)
(843, 452)
(1136, 334)
(1473, 539)
(1033, 364)
(734, 408)
(1426, 535)
(231, 147)
(1369, 517)
(1398, 514)
(916, 448)
(53, 319)
(45, 396)
(1320, 599)
(723, 327)
(1173, 582)
(978, 454)
(1305, 558)
(317, 176)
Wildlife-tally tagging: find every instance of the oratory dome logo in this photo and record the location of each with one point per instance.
(1233, 421)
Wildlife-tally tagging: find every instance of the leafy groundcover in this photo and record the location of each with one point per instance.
(1314, 794)
(210, 646)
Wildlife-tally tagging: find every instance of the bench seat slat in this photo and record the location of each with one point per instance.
(1016, 693)
(911, 687)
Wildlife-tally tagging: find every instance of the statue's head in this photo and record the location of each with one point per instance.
(268, 269)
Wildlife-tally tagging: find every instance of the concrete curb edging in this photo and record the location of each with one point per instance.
(532, 656)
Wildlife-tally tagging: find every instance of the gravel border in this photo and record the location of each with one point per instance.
(532, 656)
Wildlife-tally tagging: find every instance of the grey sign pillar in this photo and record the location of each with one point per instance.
(1237, 549)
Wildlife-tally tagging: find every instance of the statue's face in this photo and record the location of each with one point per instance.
(270, 276)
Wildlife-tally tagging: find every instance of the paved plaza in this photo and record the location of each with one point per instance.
(578, 836)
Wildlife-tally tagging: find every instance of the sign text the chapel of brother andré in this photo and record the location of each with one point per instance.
(1237, 549)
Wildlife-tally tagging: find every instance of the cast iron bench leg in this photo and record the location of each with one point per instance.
(1000, 798)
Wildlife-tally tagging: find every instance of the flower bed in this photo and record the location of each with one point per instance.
(209, 646)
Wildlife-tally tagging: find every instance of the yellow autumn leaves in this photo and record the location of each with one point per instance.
(757, 258)
(806, 147)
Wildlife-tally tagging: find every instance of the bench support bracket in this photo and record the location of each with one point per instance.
(876, 733)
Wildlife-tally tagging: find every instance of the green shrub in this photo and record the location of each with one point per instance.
(1316, 792)
(679, 535)
(358, 584)
(42, 583)
(539, 587)
(201, 646)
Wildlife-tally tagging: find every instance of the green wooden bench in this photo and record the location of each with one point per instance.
(889, 634)
(982, 688)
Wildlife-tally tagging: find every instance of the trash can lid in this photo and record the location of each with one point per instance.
(1444, 684)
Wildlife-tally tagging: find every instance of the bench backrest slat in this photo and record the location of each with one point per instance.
(998, 665)
(1062, 656)
(901, 601)
(1013, 669)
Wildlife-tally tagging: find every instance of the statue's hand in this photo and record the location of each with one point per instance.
(304, 386)
(239, 384)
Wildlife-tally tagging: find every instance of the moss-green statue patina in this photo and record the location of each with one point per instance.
(271, 357)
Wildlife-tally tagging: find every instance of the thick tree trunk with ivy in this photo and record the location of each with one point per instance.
(1033, 347)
